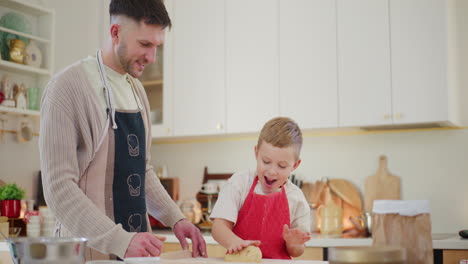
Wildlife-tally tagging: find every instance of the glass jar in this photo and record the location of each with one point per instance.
(331, 216)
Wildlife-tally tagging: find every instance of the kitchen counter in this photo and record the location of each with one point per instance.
(439, 241)
(221, 261)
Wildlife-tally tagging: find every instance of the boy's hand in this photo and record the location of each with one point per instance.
(295, 236)
(239, 245)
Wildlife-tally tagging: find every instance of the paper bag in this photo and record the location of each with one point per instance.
(406, 224)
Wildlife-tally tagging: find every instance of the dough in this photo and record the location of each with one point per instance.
(248, 254)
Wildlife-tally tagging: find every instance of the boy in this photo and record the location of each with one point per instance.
(263, 208)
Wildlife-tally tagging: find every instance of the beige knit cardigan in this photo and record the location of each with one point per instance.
(71, 125)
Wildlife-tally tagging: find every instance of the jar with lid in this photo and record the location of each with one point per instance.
(331, 217)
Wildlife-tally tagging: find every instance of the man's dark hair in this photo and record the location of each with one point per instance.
(150, 11)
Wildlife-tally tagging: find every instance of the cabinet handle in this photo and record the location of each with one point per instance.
(219, 126)
(167, 130)
(386, 116)
(399, 116)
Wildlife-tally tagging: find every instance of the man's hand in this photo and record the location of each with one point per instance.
(145, 245)
(241, 244)
(184, 229)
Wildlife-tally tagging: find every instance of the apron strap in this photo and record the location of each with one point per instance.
(109, 97)
(137, 100)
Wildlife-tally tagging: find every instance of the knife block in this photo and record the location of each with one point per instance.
(171, 185)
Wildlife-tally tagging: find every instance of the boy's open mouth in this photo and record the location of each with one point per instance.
(269, 181)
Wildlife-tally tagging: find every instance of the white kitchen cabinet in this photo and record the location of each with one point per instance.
(251, 64)
(308, 67)
(393, 63)
(198, 74)
(158, 83)
(363, 63)
(419, 61)
(325, 63)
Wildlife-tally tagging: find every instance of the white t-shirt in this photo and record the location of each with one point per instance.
(123, 94)
(235, 191)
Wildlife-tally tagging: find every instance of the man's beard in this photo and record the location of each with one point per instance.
(122, 57)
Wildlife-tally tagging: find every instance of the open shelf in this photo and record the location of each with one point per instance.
(152, 83)
(26, 7)
(21, 68)
(16, 111)
(21, 34)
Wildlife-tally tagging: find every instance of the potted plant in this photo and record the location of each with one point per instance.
(10, 196)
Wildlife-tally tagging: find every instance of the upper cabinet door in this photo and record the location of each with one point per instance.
(199, 67)
(251, 63)
(364, 85)
(419, 60)
(160, 92)
(308, 66)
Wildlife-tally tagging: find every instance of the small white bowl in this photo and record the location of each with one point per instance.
(147, 260)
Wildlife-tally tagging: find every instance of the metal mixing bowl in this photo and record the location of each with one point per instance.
(50, 250)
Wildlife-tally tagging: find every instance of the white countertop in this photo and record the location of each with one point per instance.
(221, 261)
(439, 241)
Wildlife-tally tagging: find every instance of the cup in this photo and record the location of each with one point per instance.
(209, 188)
(33, 98)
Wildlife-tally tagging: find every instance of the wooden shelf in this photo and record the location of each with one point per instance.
(16, 111)
(26, 7)
(28, 36)
(152, 83)
(21, 68)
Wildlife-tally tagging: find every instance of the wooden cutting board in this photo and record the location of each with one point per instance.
(381, 186)
(346, 191)
(316, 193)
(181, 254)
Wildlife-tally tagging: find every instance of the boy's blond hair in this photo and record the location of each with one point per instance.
(281, 132)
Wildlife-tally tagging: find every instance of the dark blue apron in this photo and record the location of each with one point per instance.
(128, 188)
(129, 172)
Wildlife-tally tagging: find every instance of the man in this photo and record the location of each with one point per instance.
(95, 143)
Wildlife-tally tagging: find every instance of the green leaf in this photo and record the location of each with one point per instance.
(11, 192)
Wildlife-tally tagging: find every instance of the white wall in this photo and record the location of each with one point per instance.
(432, 165)
(77, 30)
(19, 163)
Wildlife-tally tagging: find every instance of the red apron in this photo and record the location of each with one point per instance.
(262, 217)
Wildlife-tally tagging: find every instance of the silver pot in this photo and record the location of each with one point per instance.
(50, 250)
(367, 255)
(368, 222)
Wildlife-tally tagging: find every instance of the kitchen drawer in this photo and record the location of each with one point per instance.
(454, 256)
